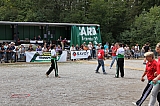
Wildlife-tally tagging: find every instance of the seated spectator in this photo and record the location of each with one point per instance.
(35, 38)
(39, 37)
(59, 50)
(39, 48)
(30, 48)
(77, 47)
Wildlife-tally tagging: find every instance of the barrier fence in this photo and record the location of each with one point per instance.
(9, 57)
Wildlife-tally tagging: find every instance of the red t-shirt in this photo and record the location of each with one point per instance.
(158, 66)
(151, 68)
(100, 54)
(114, 49)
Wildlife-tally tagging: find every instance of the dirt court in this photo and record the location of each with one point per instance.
(25, 84)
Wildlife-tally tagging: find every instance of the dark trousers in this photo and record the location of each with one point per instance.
(145, 93)
(120, 66)
(53, 66)
(100, 63)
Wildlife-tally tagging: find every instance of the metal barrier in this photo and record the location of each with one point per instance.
(10, 57)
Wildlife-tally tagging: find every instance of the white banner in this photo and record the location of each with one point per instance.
(40, 56)
(80, 54)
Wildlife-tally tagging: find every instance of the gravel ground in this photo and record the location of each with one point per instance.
(79, 85)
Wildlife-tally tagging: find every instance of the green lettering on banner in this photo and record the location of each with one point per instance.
(80, 34)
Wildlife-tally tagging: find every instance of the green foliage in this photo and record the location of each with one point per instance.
(127, 21)
(145, 28)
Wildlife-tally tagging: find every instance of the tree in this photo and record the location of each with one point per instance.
(145, 28)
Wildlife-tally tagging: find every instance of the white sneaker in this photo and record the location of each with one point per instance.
(134, 103)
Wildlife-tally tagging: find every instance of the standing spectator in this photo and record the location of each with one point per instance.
(114, 57)
(156, 88)
(112, 45)
(9, 53)
(127, 52)
(94, 52)
(132, 52)
(16, 38)
(6, 46)
(90, 49)
(136, 52)
(146, 49)
(63, 43)
(150, 70)
(53, 62)
(12, 45)
(22, 52)
(72, 48)
(98, 47)
(101, 59)
(120, 61)
(106, 48)
(2, 53)
(142, 50)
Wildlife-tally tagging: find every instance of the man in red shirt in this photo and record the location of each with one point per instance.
(101, 58)
(114, 57)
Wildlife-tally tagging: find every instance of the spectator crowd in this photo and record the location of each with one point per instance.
(9, 51)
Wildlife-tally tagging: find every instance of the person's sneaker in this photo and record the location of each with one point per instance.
(134, 103)
(144, 63)
(47, 75)
(109, 67)
(57, 76)
(97, 72)
(104, 73)
(116, 76)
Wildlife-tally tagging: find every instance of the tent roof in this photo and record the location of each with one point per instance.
(44, 24)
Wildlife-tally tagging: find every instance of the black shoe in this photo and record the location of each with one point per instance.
(116, 76)
(57, 76)
(97, 72)
(144, 63)
(104, 73)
